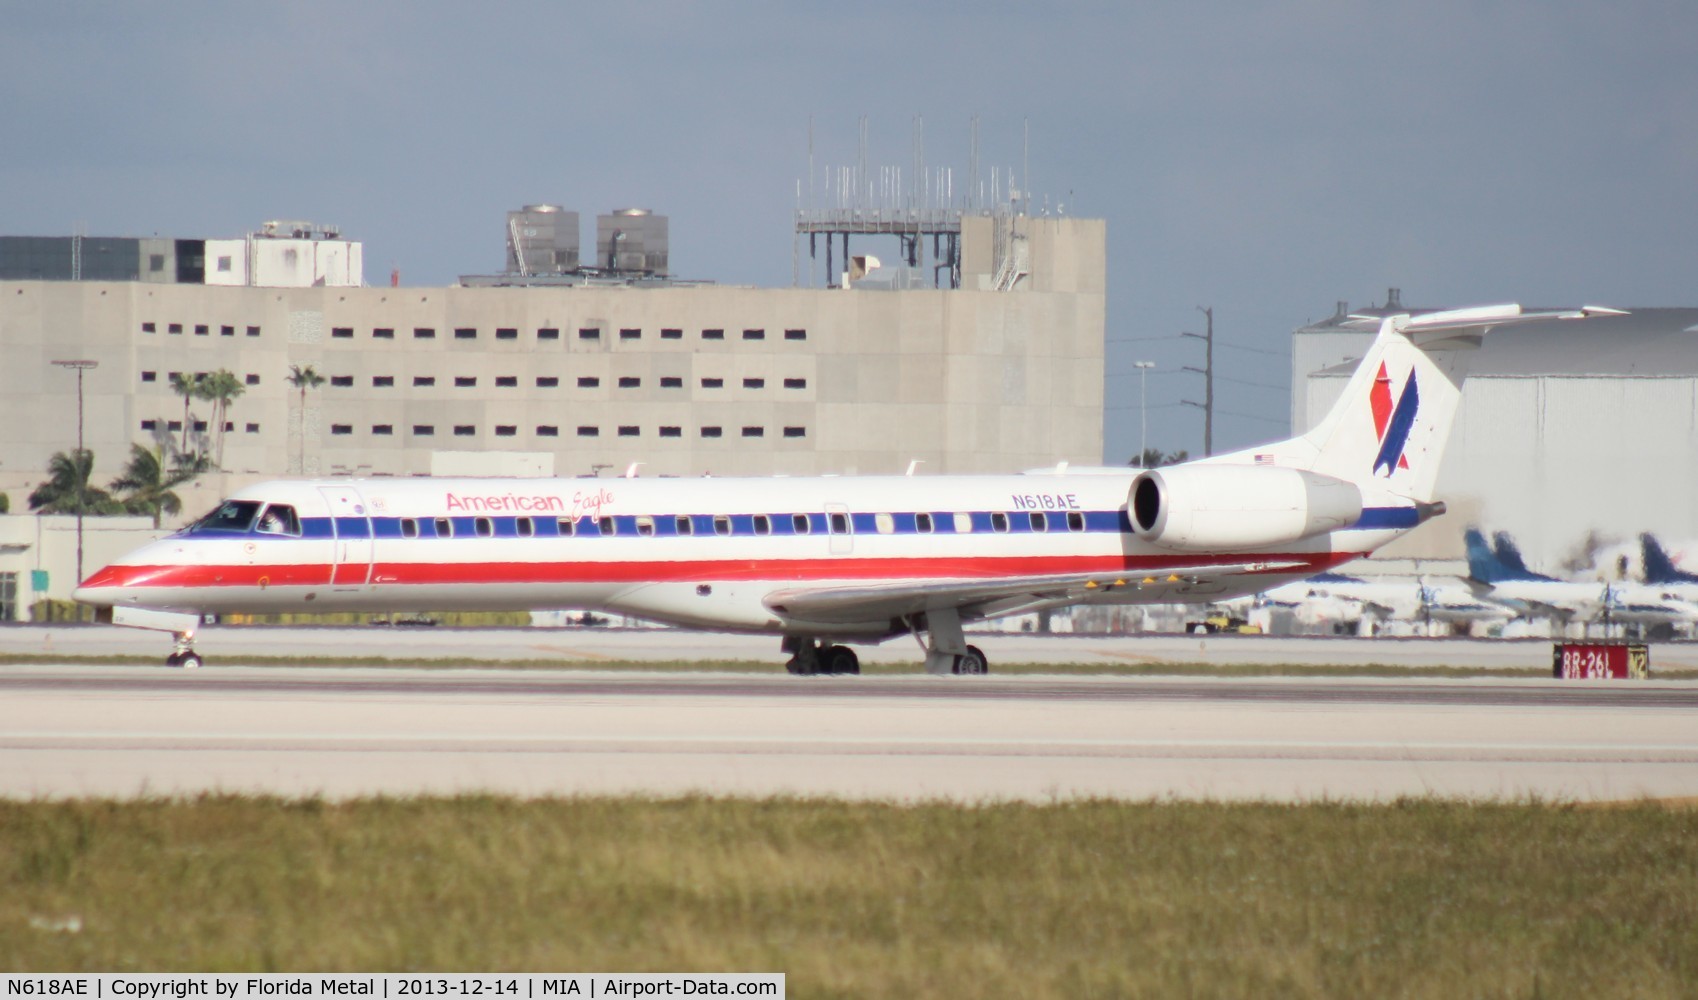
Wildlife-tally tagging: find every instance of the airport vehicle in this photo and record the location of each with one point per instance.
(820, 562)
(1222, 621)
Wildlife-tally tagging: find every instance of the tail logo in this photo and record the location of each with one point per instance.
(1393, 420)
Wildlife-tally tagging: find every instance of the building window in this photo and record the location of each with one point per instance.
(628, 431)
(713, 334)
(547, 431)
(226, 331)
(382, 381)
(506, 381)
(383, 430)
(253, 429)
(588, 381)
(465, 333)
(148, 425)
(422, 333)
(547, 381)
(630, 382)
(156, 262)
(465, 381)
(712, 383)
(589, 333)
(224, 264)
(671, 333)
(795, 335)
(174, 328)
(174, 426)
(201, 329)
(424, 379)
(754, 432)
(754, 334)
(506, 333)
(671, 432)
(465, 430)
(253, 331)
(150, 376)
(589, 432)
(795, 432)
(346, 332)
(548, 333)
(506, 430)
(341, 428)
(342, 381)
(711, 432)
(252, 379)
(629, 333)
(229, 425)
(671, 382)
(424, 430)
(795, 383)
(149, 328)
(754, 383)
(383, 333)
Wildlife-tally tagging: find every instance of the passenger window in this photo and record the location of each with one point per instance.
(999, 521)
(564, 526)
(840, 524)
(885, 524)
(279, 519)
(444, 528)
(524, 527)
(1075, 521)
(684, 526)
(721, 524)
(799, 524)
(409, 528)
(483, 527)
(963, 524)
(763, 525)
(607, 524)
(1039, 522)
(645, 526)
(923, 523)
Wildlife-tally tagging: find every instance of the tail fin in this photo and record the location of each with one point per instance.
(1659, 568)
(1483, 563)
(1392, 422)
(1509, 555)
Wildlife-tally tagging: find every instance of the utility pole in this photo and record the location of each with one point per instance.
(1143, 408)
(80, 366)
(1208, 373)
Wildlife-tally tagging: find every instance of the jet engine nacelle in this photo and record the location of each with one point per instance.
(1210, 507)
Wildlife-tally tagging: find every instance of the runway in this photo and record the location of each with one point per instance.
(129, 731)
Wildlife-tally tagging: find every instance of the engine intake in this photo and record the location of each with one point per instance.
(1205, 507)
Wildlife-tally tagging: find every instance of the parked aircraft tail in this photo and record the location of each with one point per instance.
(1659, 568)
(1496, 566)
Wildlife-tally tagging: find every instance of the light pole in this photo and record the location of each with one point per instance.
(1143, 409)
(79, 365)
(1208, 373)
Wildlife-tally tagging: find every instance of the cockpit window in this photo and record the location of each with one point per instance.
(229, 516)
(279, 519)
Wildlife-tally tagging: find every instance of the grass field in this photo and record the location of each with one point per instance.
(1093, 899)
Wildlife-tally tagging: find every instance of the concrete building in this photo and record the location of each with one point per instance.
(563, 379)
(1570, 434)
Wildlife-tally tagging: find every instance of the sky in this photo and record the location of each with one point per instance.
(1266, 160)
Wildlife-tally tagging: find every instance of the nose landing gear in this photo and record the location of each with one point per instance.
(184, 655)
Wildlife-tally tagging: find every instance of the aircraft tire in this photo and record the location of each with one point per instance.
(972, 662)
(840, 660)
(188, 661)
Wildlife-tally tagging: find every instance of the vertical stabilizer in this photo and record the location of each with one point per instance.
(1659, 568)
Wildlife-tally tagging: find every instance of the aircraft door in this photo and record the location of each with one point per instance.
(841, 527)
(351, 555)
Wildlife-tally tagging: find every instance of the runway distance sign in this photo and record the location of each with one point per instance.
(1600, 660)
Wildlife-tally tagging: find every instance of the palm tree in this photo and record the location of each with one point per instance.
(220, 388)
(67, 490)
(146, 485)
(187, 386)
(304, 377)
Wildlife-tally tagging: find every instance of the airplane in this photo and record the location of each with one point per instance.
(1663, 575)
(1336, 597)
(821, 562)
(1503, 571)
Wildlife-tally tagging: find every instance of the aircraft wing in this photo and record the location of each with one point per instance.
(975, 598)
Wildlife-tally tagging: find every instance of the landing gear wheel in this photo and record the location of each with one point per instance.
(840, 660)
(188, 661)
(806, 657)
(972, 662)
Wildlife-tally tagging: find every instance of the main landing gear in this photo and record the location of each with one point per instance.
(946, 647)
(808, 657)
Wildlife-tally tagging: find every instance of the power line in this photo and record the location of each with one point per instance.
(1259, 385)
(1256, 350)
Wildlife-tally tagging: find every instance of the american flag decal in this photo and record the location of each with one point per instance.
(1264, 459)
